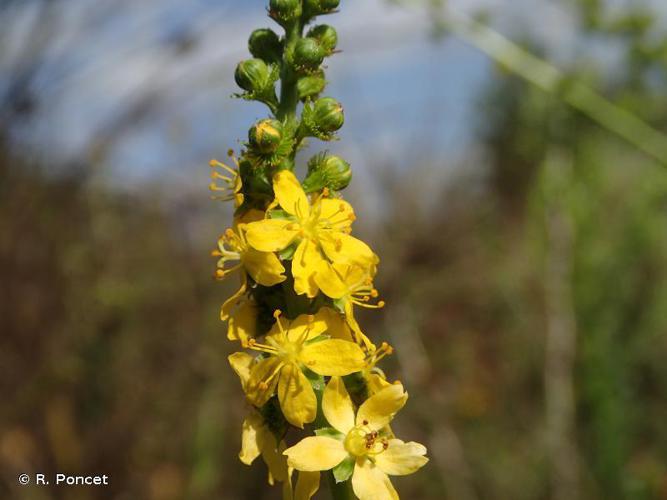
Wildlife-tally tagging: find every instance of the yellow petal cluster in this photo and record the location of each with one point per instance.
(363, 436)
(320, 230)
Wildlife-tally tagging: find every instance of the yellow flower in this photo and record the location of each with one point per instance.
(231, 182)
(257, 439)
(358, 444)
(263, 267)
(291, 346)
(321, 230)
(307, 485)
(242, 322)
(375, 378)
(350, 285)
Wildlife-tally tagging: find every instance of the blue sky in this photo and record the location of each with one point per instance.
(405, 95)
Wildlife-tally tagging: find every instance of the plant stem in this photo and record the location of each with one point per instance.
(546, 77)
(288, 79)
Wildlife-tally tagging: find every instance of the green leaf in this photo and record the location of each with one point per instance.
(329, 432)
(344, 470)
(287, 253)
(316, 381)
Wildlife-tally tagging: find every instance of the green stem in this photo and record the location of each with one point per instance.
(289, 97)
(546, 77)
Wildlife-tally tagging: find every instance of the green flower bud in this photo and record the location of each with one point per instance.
(317, 7)
(311, 86)
(266, 135)
(308, 54)
(327, 171)
(265, 44)
(252, 75)
(326, 35)
(285, 11)
(328, 115)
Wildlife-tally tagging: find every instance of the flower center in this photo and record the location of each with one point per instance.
(289, 351)
(360, 442)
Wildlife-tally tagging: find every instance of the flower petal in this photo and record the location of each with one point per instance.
(316, 453)
(270, 235)
(307, 485)
(297, 398)
(336, 327)
(229, 304)
(263, 380)
(274, 458)
(400, 459)
(242, 322)
(341, 247)
(379, 409)
(333, 357)
(306, 263)
(375, 383)
(264, 267)
(330, 282)
(290, 194)
(306, 327)
(370, 483)
(335, 213)
(337, 405)
(252, 436)
(241, 363)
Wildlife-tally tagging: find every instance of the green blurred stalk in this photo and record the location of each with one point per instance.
(548, 78)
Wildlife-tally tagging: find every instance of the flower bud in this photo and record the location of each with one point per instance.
(311, 86)
(266, 135)
(252, 75)
(327, 171)
(328, 115)
(326, 35)
(265, 44)
(285, 11)
(317, 7)
(308, 54)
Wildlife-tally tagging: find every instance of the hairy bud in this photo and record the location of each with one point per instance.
(318, 7)
(327, 171)
(266, 135)
(308, 54)
(311, 86)
(252, 75)
(285, 11)
(326, 36)
(265, 44)
(328, 114)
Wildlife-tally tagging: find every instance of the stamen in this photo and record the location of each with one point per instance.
(256, 346)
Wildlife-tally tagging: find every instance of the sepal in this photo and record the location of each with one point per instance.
(265, 44)
(322, 119)
(327, 171)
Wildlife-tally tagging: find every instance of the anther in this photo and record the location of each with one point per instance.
(277, 313)
(365, 422)
(219, 274)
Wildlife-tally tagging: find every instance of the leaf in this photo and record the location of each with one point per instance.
(329, 432)
(344, 470)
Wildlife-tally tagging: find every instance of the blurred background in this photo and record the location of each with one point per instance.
(518, 203)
